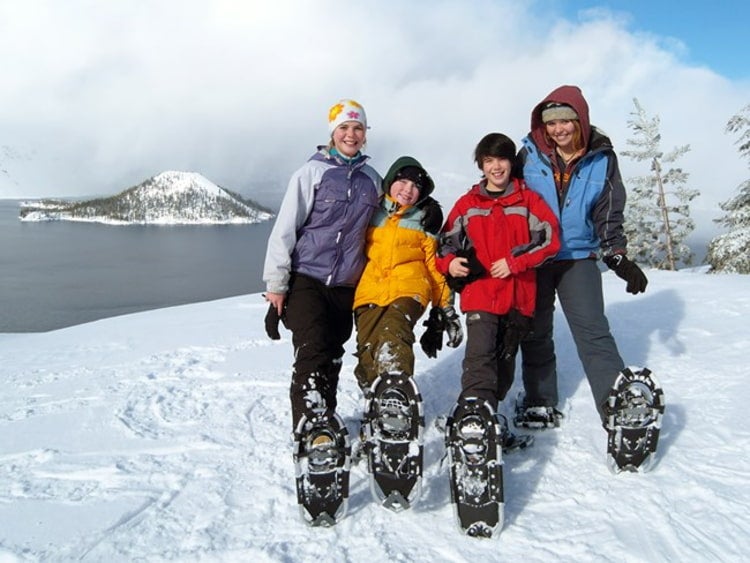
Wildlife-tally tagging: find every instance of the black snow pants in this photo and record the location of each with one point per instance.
(321, 320)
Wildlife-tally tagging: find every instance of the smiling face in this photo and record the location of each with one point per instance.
(349, 138)
(497, 171)
(404, 192)
(562, 132)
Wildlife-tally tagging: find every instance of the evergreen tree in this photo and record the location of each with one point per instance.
(658, 216)
(730, 252)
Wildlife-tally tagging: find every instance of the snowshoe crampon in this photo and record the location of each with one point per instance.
(634, 410)
(393, 434)
(472, 441)
(321, 460)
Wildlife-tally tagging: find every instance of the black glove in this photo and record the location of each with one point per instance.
(433, 215)
(432, 339)
(629, 271)
(516, 326)
(272, 323)
(476, 270)
(453, 327)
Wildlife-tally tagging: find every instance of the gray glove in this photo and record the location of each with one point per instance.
(453, 327)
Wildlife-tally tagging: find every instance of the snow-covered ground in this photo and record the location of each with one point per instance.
(166, 436)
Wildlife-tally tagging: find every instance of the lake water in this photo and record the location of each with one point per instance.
(60, 273)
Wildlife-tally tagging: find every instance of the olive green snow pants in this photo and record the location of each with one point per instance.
(385, 337)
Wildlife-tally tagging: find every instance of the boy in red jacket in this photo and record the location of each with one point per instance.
(494, 237)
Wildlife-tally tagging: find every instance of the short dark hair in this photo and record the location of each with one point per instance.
(497, 145)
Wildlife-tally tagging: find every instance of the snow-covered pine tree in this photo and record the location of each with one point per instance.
(730, 252)
(658, 214)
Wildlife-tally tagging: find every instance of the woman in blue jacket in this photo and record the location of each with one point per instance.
(574, 167)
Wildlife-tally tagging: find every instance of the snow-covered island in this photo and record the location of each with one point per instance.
(169, 198)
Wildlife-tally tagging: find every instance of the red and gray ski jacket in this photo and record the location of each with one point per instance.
(518, 226)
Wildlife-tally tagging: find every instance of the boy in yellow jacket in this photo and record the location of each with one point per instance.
(400, 278)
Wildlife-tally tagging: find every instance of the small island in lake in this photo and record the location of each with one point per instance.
(169, 198)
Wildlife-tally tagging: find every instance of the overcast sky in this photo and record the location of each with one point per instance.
(96, 96)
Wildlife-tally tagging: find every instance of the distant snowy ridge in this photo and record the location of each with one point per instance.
(169, 198)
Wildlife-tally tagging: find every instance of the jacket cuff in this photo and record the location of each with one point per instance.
(514, 265)
(276, 287)
(607, 252)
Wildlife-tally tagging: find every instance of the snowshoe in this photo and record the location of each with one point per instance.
(472, 441)
(634, 411)
(535, 417)
(393, 428)
(321, 459)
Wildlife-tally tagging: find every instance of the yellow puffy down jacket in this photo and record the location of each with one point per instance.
(400, 260)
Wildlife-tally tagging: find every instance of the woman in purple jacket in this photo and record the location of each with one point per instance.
(315, 255)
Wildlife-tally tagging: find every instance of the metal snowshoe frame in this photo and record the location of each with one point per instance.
(472, 441)
(635, 408)
(322, 471)
(394, 440)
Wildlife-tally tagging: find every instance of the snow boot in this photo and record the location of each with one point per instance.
(535, 417)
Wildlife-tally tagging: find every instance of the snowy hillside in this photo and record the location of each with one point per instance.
(165, 436)
(169, 198)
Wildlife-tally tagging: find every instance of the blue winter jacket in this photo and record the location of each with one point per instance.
(591, 207)
(320, 229)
